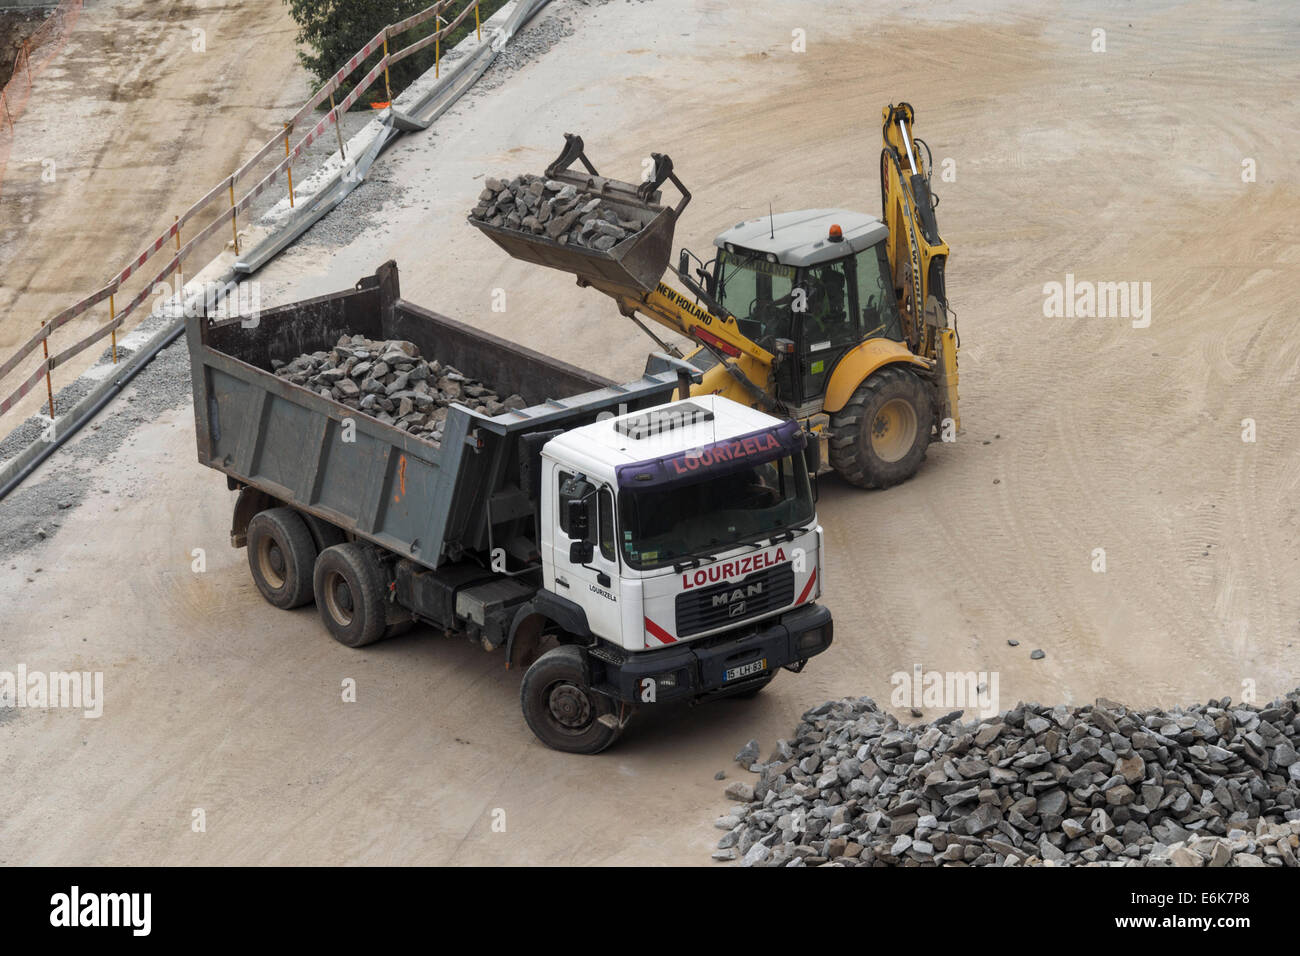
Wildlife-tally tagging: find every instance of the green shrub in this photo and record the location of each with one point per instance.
(333, 30)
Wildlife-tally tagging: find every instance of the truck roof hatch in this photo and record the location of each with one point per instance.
(660, 420)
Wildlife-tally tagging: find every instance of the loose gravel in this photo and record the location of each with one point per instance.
(365, 210)
(533, 42)
(34, 510)
(1212, 785)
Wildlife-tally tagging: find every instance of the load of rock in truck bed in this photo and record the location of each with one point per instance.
(391, 382)
(559, 211)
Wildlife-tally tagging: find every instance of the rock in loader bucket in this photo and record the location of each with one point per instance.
(635, 264)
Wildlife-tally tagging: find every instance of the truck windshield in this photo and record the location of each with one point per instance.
(661, 526)
(757, 293)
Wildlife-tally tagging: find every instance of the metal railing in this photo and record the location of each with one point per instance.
(226, 188)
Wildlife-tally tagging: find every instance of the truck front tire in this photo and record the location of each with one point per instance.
(880, 436)
(281, 554)
(561, 709)
(350, 593)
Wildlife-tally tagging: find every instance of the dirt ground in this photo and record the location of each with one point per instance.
(1080, 434)
(125, 129)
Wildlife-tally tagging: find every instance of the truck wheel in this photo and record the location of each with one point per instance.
(879, 437)
(280, 556)
(559, 707)
(350, 593)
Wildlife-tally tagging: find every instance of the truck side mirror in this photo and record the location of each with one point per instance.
(579, 519)
(812, 455)
(812, 459)
(581, 552)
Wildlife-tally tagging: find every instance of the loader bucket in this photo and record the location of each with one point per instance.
(633, 266)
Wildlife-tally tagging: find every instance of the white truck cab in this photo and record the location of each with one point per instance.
(685, 540)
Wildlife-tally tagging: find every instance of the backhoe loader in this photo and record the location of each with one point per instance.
(833, 318)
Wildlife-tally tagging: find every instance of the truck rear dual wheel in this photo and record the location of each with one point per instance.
(281, 554)
(561, 709)
(350, 594)
(880, 436)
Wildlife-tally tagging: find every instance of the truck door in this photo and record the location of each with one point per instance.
(594, 584)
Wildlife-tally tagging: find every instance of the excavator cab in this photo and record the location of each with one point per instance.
(808, 286)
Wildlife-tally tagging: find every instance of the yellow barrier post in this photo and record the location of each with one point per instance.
(49, 389)
(289, 168)
(180, 269)
(338, 124)
(388, 90)
(478, 27)
(112, 317)
(437, 44)
(234, 216)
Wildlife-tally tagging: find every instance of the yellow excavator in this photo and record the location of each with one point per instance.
(831, 317)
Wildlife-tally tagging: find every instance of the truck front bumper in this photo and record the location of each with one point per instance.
(700, 668)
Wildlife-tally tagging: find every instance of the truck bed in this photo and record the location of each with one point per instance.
(424, 501)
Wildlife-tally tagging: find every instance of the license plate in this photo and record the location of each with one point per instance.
(745, 670)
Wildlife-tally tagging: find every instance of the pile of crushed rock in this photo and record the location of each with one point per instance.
(1211, 785)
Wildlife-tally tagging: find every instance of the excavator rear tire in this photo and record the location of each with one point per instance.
(880, 436)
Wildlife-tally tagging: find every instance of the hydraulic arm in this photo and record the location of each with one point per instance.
(917, 254)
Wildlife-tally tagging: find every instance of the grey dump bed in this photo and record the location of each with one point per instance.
(424, 501)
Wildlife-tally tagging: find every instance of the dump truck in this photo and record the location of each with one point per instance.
(623, 548)
(830, 317)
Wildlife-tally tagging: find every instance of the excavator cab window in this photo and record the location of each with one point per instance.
(758, 293)
(877, 303)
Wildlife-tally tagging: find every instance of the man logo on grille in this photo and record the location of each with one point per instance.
(737, 609)
(737, 596)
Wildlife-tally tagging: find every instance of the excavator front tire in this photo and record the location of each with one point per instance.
(880, 436)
